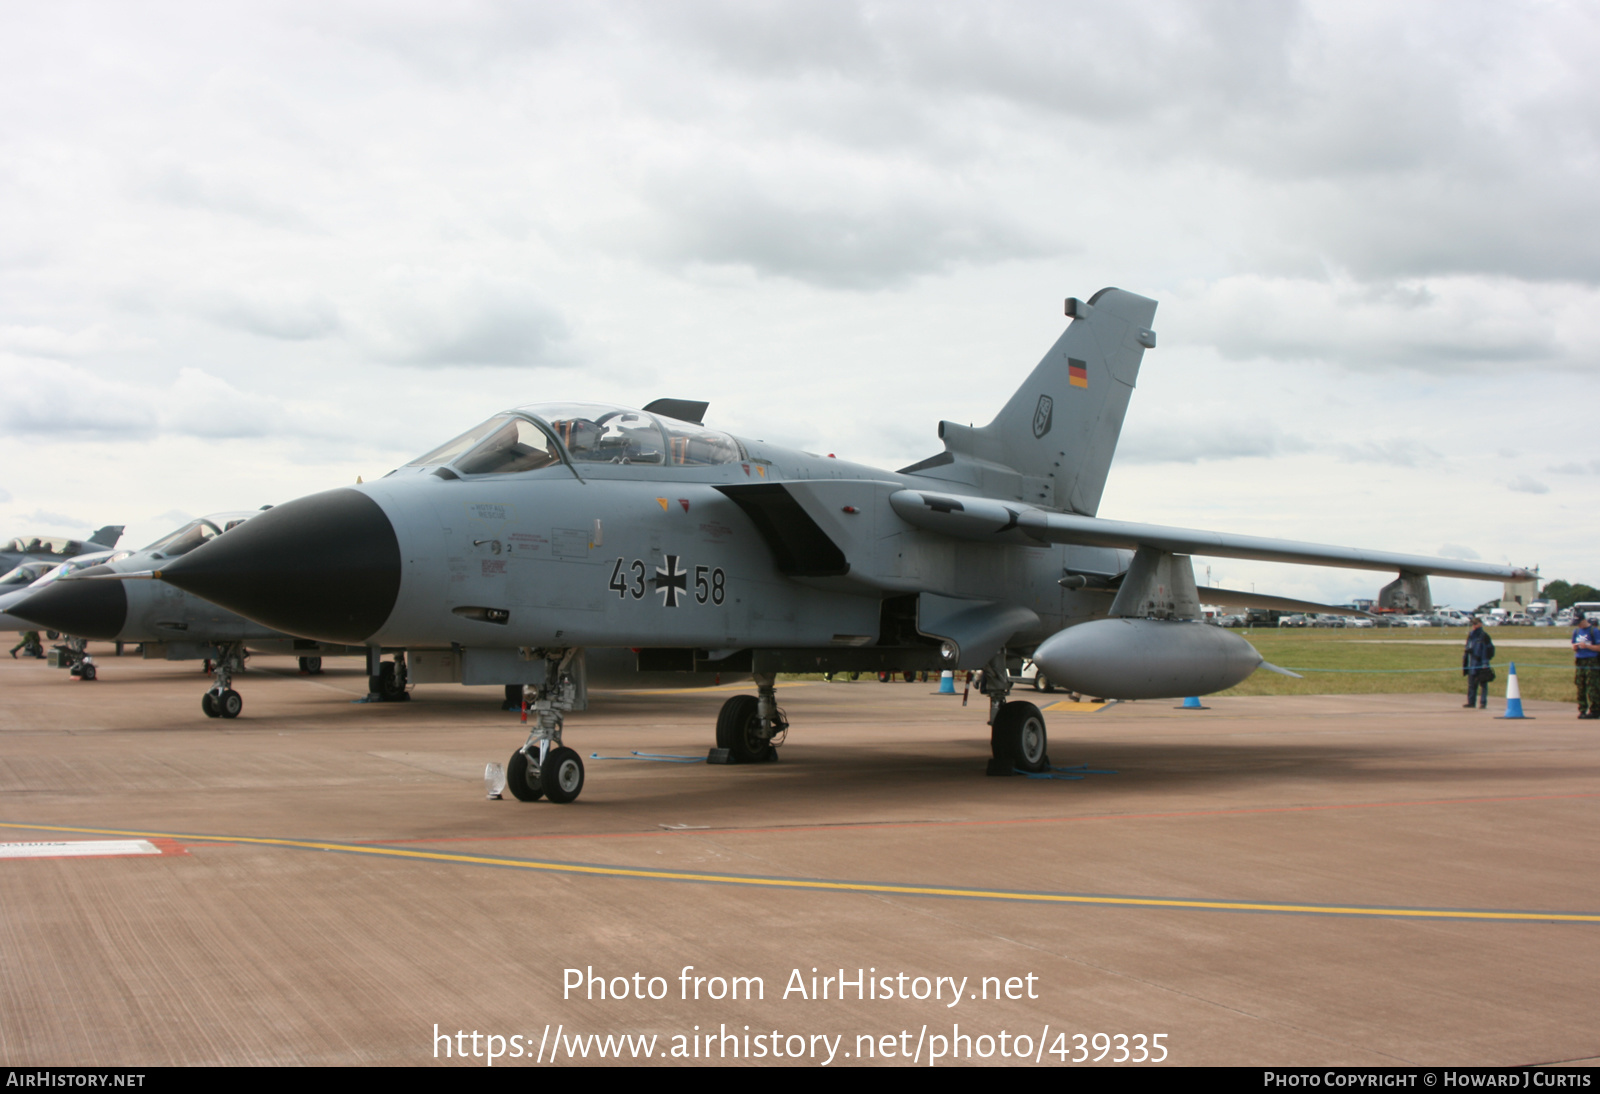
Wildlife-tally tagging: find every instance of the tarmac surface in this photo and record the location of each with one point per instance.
(1338, 880)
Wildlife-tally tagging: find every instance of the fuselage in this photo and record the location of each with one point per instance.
(635, 551)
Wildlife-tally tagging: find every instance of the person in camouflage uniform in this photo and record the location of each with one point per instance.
(1586, 653)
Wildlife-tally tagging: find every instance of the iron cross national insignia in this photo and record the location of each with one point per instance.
(670, 581)
(1043, 415)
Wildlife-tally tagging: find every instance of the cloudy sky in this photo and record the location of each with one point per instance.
(249, 251)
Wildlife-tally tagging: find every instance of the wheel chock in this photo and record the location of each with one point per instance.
(725, 756)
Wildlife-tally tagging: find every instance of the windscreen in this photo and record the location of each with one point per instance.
(185, 539)
(26, 574)
(448, 451)
(516, 445)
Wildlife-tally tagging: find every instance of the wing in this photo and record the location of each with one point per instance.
(984, 519)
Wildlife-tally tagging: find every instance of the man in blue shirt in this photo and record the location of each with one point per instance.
(1586, 652)
(1475, 664)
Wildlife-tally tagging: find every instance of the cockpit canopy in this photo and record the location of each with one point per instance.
(536, 436)
(195, 533)
(25, 574)
(60, 546)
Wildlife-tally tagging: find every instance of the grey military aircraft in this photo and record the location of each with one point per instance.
(56, 549)
(553, 528)
(169, 624)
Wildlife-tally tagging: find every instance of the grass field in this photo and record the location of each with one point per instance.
(1344, 662)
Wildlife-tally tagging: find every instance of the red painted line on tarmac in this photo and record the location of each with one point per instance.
(872, 825)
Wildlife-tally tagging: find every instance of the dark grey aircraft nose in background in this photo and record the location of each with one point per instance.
(83, 609)
(326, 567)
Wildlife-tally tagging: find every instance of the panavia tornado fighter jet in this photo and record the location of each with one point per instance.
(169, 623)
(557, 527)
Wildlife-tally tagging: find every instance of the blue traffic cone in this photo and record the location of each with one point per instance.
(947, 682)
(1513, 696)
(1192, 703)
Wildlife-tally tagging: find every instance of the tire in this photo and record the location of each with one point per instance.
(86, 673)
(522, 778)
(230, 703)
(885, 677)
(1019, 736)
(739, 730)
(208, 703)
(561, 776)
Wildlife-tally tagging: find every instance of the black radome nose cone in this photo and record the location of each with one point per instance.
(325, 567)
(83, 609)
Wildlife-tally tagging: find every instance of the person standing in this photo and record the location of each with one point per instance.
(1475, 665)
(1586, 654)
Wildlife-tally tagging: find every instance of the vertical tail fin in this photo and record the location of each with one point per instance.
(107, 536)
(1052, 443)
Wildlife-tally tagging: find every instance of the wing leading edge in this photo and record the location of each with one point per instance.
(983, 519)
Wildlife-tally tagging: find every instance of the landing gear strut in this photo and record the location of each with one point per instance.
(1017, 739)
(222, 701)
(543, 767)
(751, 727)
(73, 655)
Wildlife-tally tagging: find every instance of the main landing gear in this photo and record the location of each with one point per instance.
(750, 727)
(543, 767)
(222, 701)
(386, 680)
(311, 666)
(1017, 739)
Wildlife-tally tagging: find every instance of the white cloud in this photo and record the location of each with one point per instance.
(286, 313)
(1444, 325)
(433, 320)
(1527, 484)
(47, 520)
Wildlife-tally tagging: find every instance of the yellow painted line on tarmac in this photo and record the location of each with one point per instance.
(823, 885)
(1079, 708)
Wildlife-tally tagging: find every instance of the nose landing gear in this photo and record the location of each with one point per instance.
(222, 701)
(543, 767)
